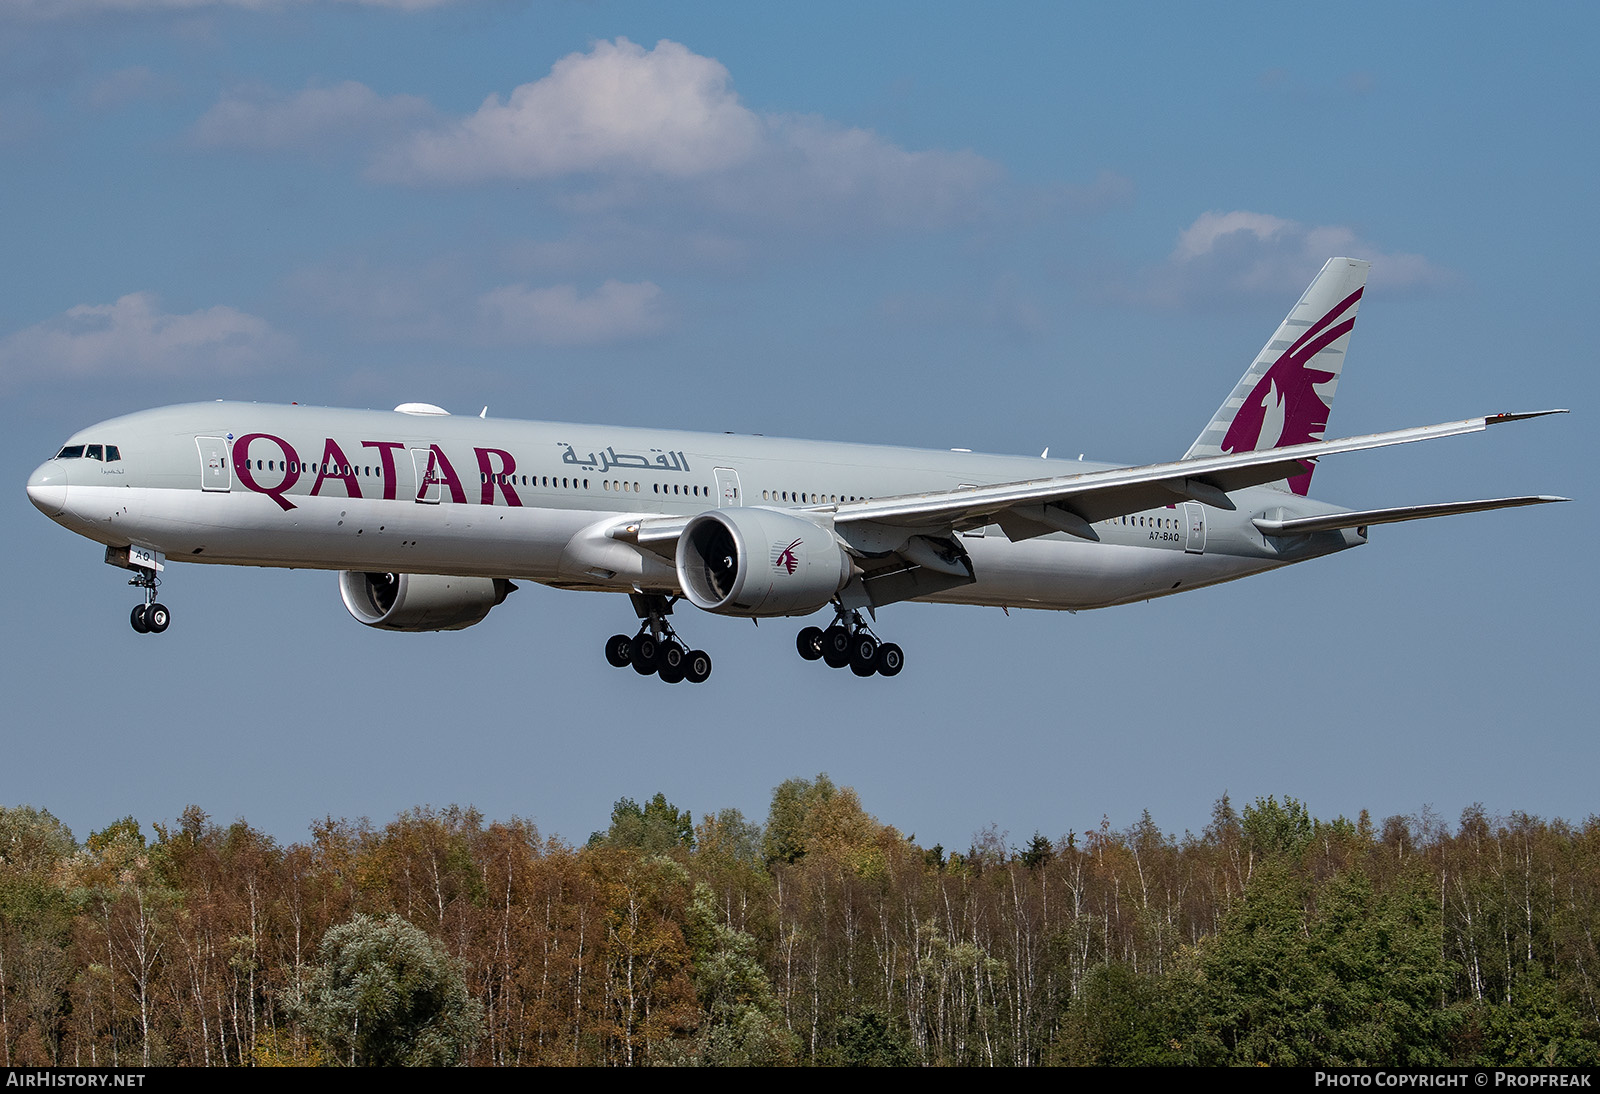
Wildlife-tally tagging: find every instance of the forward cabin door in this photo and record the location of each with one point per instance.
(727, 487)
(1194, 516)
(428, 482)
(215, 474)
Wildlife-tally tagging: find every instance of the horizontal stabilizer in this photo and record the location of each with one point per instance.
(1333, 522)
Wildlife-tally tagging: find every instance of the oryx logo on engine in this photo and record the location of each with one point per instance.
(783, 558)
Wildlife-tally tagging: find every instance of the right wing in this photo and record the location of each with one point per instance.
(1072, 503)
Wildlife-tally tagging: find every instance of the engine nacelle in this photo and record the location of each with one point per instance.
(756, 561)
(420, 602)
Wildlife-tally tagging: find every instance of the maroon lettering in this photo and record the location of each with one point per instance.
(439, 470)
(334, 466)
(386, 451)
(492, 477)
(290, 464)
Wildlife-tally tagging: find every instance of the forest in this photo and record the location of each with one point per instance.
(817, 937)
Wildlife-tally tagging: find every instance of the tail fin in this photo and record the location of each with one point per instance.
(1285, 396)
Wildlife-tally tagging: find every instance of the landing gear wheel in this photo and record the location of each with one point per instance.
(890, 660)
(863, 654)
(836, 647)
(697, 666)
(157, 617)
(810, 643)
(619, 651)
(671, 659)
(138, 620)
(645, 650)
(671, 672)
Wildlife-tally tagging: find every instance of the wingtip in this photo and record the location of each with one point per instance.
(1517, 416)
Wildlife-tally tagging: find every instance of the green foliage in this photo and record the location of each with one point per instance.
(793, 802)
(33, 840)
(1120, 1018)
(1038, 853)
(1355, 983)
(1537, 1027)
(871, 1038)
(1274, 830)
(741, 1022)
(808, 816)
(655, 828)
(726, 837)
(386, 994)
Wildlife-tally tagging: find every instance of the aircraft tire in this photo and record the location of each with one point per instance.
(891, 659)
(809, 643)
(157, 617)
(697, 666)
(645, 651)
(619, 651)
(863, 654)
(836, 647)
(137, 619)
(671, 673)
(671, 657)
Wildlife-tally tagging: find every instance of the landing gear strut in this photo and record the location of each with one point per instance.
(149, 617)
(850, 642)
(657, 649)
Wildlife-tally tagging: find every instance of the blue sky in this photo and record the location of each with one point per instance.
(941, 225)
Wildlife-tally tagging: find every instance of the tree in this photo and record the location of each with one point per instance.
(1272, 829)
(655, 828)
(386, 994)
(741, 1022)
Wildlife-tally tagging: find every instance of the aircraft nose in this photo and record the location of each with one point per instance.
(47, 488)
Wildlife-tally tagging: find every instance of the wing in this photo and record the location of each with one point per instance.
(1080, 500)
(1073, 503)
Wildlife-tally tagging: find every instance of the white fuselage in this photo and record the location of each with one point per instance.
(292, 486)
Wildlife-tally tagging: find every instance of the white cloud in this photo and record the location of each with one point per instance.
(133, 339)
(617, 108)
(261, 119)
(1244, 254)
(664, 124)
(558, 315)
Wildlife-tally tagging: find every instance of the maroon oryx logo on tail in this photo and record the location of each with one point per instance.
(1285, 407)
(784, 558)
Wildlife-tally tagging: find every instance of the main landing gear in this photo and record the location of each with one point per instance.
(657, 649)
(149, 617)
(849, 642)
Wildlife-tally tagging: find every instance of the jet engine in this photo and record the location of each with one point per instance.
(756, 561)
(420, 602)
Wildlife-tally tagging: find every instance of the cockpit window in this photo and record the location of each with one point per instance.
(95, 452)
(112, 455)
(71, 452)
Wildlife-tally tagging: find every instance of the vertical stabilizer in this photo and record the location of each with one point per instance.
(1285, 396)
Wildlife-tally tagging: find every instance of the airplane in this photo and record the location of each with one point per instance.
(430, 517)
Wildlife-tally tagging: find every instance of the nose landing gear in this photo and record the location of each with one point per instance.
(149, 617)
(849, 642)
(657, 649)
